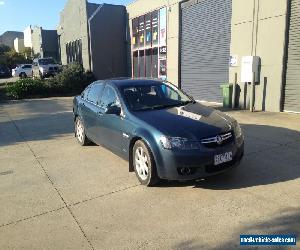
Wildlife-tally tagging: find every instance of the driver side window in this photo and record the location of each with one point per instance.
(109, 98)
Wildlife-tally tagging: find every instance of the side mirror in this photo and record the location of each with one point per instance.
(113, 110)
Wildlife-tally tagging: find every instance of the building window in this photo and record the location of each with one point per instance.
(74, 51)
(149, 45)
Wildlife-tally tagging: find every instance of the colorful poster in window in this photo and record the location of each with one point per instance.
(141, 32)
(155, 30)
(148, 30)
(163, 27)
(135, 33)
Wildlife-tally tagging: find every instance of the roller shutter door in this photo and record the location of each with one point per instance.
(205, 35)
(292, 87)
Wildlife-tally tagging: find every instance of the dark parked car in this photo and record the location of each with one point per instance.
(162, 132)
(4, 71)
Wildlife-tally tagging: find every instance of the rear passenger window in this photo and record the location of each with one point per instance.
(95, 93)
(109, 98)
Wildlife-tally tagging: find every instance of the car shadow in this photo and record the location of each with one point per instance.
(36, 128)
(35, 120)
(271, 156)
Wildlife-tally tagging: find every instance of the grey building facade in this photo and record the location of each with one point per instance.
(95, 36)
(202, 36)
(8, 37)
(44, 43)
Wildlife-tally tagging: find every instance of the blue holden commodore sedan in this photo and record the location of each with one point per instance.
(160, 130)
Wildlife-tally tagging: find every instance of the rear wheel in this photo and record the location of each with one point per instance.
(144, 164)
(80, 132)
(23, 75)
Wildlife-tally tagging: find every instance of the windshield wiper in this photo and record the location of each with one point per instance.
(188, 102)
(167, 106)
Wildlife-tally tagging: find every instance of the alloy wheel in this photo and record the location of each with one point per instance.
(79, 131)
(141, 163)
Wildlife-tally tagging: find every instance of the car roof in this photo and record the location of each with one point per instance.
(124, 82)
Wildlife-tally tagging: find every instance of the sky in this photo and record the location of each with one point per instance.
(16, 15)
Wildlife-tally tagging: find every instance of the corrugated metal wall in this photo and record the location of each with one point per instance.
(292, 88)
(205, 47)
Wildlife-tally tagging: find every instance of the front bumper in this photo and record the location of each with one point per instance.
(199, 162)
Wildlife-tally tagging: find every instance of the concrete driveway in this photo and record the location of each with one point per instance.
(55, 194)
(10, 79)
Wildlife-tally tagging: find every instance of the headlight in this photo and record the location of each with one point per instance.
(237, 129)
(179, 143)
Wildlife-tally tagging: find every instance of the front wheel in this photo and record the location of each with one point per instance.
(80, 132)
(41, 75)
(144, 164)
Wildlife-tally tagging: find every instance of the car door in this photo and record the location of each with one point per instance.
(27, 70)
(93, 111)
(110, 126)
(86, 112)
(89, 109)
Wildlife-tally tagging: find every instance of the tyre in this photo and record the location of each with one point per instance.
(144, 164)
(23, 75)
(80, 132)
(41, 75)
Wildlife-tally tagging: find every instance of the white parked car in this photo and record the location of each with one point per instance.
(44, 67)
(22, 71)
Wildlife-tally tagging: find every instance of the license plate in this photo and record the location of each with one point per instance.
(222, 158)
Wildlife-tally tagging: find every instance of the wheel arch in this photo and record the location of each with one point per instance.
(149, 140)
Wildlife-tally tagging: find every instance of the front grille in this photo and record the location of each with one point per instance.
(218, 140)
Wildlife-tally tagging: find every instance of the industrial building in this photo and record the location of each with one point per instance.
(94, 35)
(19, 45)
(201, 44)
(8, 38)
(44, 43)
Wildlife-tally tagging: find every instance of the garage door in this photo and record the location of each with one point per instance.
(205, 47)
(292, 87)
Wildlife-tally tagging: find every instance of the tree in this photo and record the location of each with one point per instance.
(11, 58)
(4, 48)
(28, 53)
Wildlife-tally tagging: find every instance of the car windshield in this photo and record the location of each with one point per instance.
(46, 61)
(154, 96)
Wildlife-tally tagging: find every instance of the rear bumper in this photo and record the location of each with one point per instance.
(200, 164)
